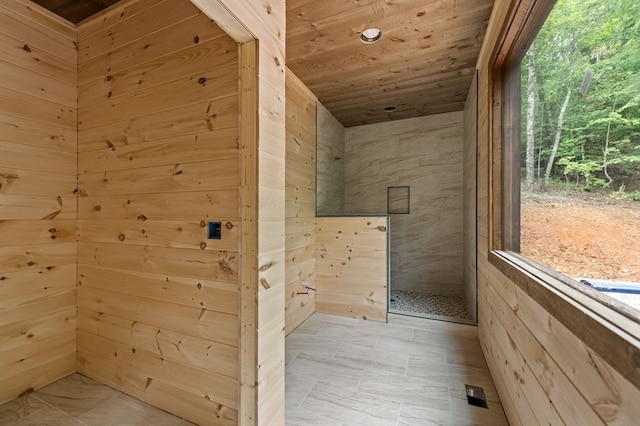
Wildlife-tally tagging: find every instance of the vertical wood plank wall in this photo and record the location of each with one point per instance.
(331, 164)
(352, 266)
(470, 134)
(425, 154)
(543, 372)
(300, 208)
(158, 116)
(38, 205)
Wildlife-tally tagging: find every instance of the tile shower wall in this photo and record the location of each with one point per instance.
(425, 154)
(330, 181)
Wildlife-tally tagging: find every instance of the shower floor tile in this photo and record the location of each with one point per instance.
(426, 305)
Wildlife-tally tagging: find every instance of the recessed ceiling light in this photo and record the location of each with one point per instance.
(370, 35)
(390, 108)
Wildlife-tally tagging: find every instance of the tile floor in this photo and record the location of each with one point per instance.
(432, 306)
(411, 371)
(77, 400)
(339, 371)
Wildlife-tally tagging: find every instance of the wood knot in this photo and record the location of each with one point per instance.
(265, 267)
(608, 410)
(108, 78)
(196, 39)
(203, 245)
(203, 224)
(97, 208)
(225, 267)
(202, 80)
(26, 48)
(121, 237)
(277, 61)
(265, 283)
(268, 9)
(142, 217)
(228, 225)
(382, 228)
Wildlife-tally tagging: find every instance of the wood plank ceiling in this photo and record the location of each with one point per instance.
(75, 10)
(422, 65)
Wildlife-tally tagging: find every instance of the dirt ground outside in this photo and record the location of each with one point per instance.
(583, 235)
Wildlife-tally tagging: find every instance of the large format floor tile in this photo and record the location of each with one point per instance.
(339, 371)
(411, 371)
(79, 401)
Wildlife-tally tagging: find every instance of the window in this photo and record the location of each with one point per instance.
(572, 146)
(609, 328)
(580, 145)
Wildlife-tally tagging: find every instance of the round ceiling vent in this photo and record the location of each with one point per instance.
(370, 35)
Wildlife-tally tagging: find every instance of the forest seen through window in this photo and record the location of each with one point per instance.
(580, 180)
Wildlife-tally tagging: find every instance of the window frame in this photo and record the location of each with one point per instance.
(607, 326)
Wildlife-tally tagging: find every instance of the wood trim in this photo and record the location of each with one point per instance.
(225, 19)
(510, 158)
(495, 162)
(602, 323)
(526, 20)
(248, 267)
(537, 14)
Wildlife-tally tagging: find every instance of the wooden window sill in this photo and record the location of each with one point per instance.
(609, 327)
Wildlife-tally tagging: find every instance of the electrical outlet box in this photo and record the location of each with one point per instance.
(214, 230)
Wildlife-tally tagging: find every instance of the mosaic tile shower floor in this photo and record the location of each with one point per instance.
(426, 305)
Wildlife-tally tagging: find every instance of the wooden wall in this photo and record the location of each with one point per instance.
(158, 159)
(263, 247)
(426, 155)
(37, 198)
(544, 373)
(352, 266)
(300, 209)
(331, 164)
(470, 150)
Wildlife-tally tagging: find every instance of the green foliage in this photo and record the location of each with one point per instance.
(634, 196)
(582, 169)
(601, 131)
